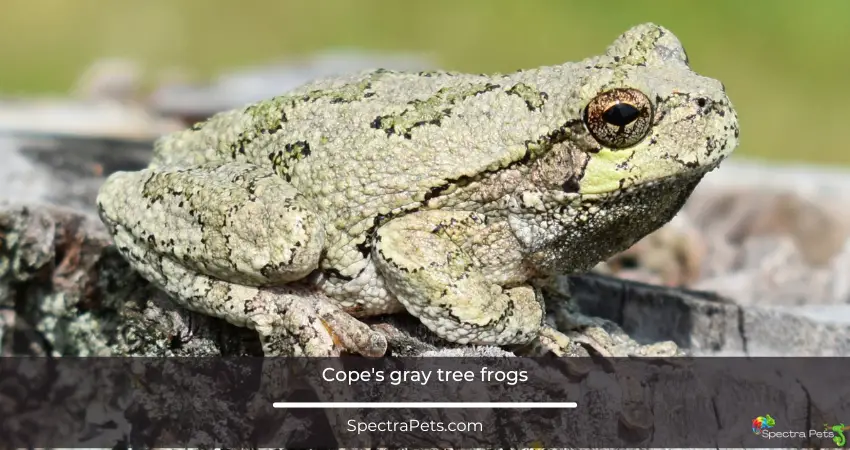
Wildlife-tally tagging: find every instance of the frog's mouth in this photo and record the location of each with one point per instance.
(605, 183)
(569, 198)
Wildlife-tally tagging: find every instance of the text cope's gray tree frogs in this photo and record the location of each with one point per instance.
(451, 196)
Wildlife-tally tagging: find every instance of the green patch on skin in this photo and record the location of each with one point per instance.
(344, 94)
(282, 159)
(643, 47)
(268, 116)
(297, 150)
(604, 171)
(533, 98)
(430, 111)
(432, 73)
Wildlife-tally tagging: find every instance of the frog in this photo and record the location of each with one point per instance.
(453, 197)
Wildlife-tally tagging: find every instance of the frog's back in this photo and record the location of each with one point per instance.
(368, 143)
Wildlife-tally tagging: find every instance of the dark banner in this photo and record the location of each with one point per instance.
(424, 402)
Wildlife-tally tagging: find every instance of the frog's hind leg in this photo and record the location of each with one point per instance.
(232, 221)
(227, 239)
(423, 259)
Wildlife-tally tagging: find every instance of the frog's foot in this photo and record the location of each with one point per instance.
(310, 324)
(567, 329)
(424, 264)
(596, 335)
(554, 341)
(596, 339)
(580, 329)
(578, 342)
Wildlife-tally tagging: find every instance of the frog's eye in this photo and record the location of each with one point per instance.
(619, 118)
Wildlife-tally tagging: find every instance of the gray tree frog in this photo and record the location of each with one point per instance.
(450, 196)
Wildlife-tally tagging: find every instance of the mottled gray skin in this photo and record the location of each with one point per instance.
(451, 196)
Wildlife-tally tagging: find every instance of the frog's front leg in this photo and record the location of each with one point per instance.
(452, 271)
(227, 240)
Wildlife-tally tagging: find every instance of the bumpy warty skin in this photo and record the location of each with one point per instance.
(444, 194)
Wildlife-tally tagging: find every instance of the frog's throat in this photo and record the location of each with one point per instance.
(595, 227)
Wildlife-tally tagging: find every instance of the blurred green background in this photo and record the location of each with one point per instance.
(785, 63)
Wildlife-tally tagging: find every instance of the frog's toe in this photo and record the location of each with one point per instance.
(554, 341)
(351, 335)
(597, 339)
(572, 343)
(312, 325)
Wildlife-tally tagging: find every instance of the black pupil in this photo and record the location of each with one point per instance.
(621, 114)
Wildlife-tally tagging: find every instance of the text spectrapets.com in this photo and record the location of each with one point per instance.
(412, 425)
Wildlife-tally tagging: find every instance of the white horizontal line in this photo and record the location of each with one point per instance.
(424, 405)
